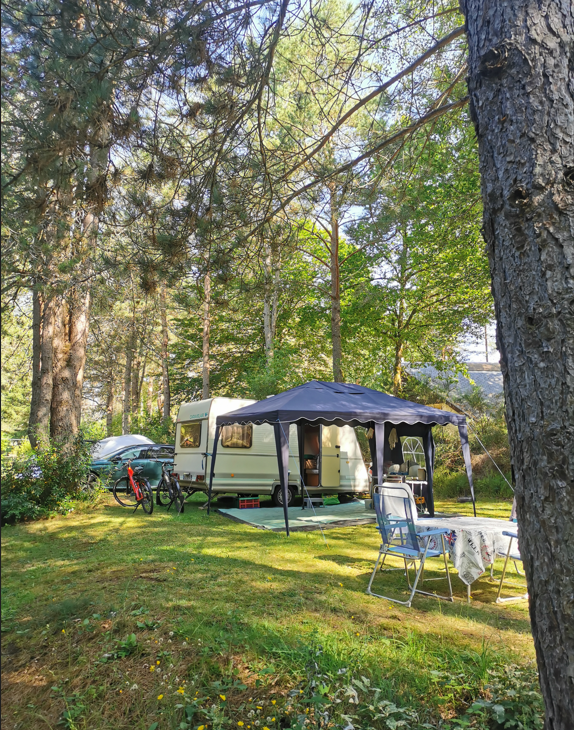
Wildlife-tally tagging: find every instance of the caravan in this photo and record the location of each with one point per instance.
(247, 457)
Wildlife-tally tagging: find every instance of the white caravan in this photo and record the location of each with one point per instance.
(247, 458)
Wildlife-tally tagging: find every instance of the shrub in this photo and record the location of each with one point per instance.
(46, 481)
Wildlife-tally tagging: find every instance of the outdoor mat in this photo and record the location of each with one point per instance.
(336, 515)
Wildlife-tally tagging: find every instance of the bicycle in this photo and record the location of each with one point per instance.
(168, 489)
(134, 489)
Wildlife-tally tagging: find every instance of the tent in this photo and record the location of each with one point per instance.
(343, 404)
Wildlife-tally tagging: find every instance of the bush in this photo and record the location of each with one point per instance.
(46, 481)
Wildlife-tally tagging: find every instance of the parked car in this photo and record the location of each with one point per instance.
(113, 466)
(113, 444)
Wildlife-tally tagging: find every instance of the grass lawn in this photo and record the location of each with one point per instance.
(113, 620)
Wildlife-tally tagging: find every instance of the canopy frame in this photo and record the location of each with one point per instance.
(375, 416)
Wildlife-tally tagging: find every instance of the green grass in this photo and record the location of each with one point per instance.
(231, 611)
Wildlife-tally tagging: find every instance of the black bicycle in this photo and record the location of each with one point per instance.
(133, 490)
(168, 490)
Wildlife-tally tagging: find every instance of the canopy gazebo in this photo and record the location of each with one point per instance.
(345, 404)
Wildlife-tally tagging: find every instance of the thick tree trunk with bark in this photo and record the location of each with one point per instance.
(70, 339)
(165, 355)
(42, 425)
(206, 333)
(36, 365)
(336, 296)
(521, 84)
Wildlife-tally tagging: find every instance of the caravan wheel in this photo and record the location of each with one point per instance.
(278, 496)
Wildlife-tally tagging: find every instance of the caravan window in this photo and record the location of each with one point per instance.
(236, 436)
(190, 435)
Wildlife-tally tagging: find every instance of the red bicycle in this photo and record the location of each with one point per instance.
(134, 489)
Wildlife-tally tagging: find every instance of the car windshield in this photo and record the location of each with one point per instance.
(117, 452)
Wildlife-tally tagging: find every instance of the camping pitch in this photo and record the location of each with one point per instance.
(387, 419)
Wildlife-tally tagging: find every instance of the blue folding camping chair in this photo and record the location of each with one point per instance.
(400, 539)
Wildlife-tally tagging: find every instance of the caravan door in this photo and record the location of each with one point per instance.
(330, 456)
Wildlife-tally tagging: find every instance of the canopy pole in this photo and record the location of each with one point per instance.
(463, 433)
(282, 446)
(380, 450)
(212, 468)
(428, 446)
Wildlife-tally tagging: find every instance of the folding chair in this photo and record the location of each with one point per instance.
(401, 539)
(515, 556)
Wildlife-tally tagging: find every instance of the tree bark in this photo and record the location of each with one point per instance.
(49, 310)
(206, 333)
(270, 300)
(127, 384)
(150, 395)
(135, 383)
(36, 366)
(165, 355)
(70, 339)
(335, 295)
(521, 86)
(267, 296)
(110, 407)
(398, 369)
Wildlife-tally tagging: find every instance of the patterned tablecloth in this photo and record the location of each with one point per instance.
(473, 542)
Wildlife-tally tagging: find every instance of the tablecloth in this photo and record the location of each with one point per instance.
(473, 542)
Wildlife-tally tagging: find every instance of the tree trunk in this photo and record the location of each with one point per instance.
(70, 339)
(110, 407)
(62, 411)
(135, 383)
(140, 388)
(398, 369)
(49, 308)
(36, 365)
(127, 385)
(267, 304)
(270, 301)
(165, 355)
(206, 333)
(335, 296)
(521, 86)
(150, 396)
(79, 329)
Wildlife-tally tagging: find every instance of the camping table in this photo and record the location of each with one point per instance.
(474, 542)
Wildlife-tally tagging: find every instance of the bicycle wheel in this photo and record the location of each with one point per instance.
(162, 493)
(147, 493)
(124, 494)
(176, 494)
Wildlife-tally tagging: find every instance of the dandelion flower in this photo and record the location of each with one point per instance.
(181, 690)
(121, 690)
(341, 585)
(160, 697)
(240, 723)
(201, 727)
(158, 662)
(222, 697)
(63, 631)
(152, 668)
(358, 633)
(273, 702)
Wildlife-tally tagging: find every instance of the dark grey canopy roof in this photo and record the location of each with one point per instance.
(338, 403)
